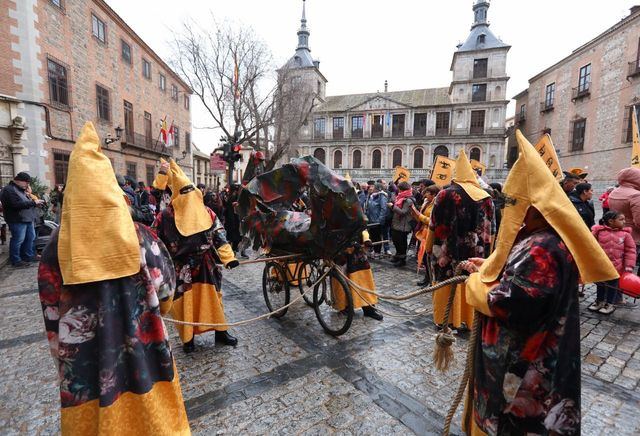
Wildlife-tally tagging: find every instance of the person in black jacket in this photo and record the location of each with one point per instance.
(581, 199)
(19, 213)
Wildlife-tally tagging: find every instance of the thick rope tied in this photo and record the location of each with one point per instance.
(442, 352)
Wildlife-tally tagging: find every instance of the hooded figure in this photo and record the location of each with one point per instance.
(104, 283)
(196, 241)
(462, 226)
(527, 357)
(160, 185)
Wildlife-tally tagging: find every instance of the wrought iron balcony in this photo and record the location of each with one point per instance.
(521, 117)
(581, 91)
(546, 106)
(137, 140)
(634, 69)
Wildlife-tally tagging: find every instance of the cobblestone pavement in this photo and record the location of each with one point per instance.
(287, 377)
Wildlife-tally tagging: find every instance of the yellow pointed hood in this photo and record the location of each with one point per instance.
(531, 184)
(190, 213)
(464, 176)
(98, 239)
(162, 178)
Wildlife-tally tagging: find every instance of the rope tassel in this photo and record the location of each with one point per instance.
(442, 353)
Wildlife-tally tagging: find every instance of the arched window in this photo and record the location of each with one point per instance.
(357, 159)
(475, 154)
(418, 158)
(337, 159)
(319, 154)
(397, 158)
(440, 150)
(376, 159)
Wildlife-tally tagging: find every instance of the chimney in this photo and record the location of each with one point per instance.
(386, 86)
(634, 9)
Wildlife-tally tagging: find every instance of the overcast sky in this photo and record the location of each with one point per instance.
(362, 43)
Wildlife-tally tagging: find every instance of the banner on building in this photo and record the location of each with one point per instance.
(442, 172)
(547, 152)
(478, 166)
(635, 153)
(401, 175)
(218, 166)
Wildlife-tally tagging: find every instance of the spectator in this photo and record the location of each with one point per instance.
(377, 214)
(581, 199)
(20, 213)
(202, 188)
(604, 199)
(498, 202)
(231, 219)
(401, 223)
(424, 217)
(56, 199)
(626, 200)
(143, 195)
(129, 192)
(569, 182)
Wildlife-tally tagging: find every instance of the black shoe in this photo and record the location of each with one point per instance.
(189, 347)
(226, 339)
(424, 282)
(372, 312)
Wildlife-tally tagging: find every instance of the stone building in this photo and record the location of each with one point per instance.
(65, 62)
(202, 169)
(585, 100)
(368, 135)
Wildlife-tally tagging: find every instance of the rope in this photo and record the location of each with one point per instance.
(268, 259)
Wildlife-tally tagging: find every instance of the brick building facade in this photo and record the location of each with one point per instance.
(585, 100)
(68, 62)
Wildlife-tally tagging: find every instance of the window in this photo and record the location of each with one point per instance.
(319, 154)
(187, 141)
(585, 79)
(176, 136)
(440, 150)
(477, 122)
(338, 128)
(174, 92)
(319, 87)
(337, 159)
(480, 68)
(474, 154)
(186, 102)
(481, 39)
(98, 28)
(151, 174)
(523, 112)
(479, 92)
(420, 125)
(418, 158)
(397, 129)
(442, 123)
(318, 128)
(132, 170)
(60, 166)
(357, 159)
(58, 83)
(128, 122)
(125, 51)
(148, 134)
(146, 69)
(377, 127)
(577, 139)
(549, 95)
(102, 102)
(162, 84)
(376, 159)
(397, 158)
(356, 126)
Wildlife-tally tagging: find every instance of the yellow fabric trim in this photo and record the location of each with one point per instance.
(226, 254)
(202, 303)
(158, 412)
(461, 311)
(429, 241)
(477, 293)
(165, 306)
(465, 177)
(191, 215)
(364, 279)
(365, 236)
(98, 240)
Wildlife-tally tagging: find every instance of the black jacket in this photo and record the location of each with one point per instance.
(585, 209)
(18, 206)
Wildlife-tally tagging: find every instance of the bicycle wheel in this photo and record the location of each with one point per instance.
(333, 322)
(275, 288)
(308, 274)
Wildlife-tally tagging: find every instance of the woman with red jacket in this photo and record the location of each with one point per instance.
(617, 242)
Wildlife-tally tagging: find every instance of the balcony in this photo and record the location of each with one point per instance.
(546, 106)
(442, 131)
(143, 142)
(478, 130)
(377, 131)
(520, 118)
(634, 69)
(580, 92)
(356, 133)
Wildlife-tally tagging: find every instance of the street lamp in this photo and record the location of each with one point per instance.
(110, 140)
(184, 155)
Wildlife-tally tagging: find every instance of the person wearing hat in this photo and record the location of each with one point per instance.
(461, 227)
(160, 189)
(197, 242)
(526, 374)
(104, 283)
(19, 209)
(569, 182)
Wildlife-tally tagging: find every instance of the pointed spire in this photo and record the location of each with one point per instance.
(303, 33)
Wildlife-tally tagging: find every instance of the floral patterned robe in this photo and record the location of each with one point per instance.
(111, 346)
(198, 296)
(527, 364)
(461, 228)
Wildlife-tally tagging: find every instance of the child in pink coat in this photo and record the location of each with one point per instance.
(617, 242)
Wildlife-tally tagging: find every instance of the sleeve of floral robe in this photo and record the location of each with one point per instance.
(159, 267)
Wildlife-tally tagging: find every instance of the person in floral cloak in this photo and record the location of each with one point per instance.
(526, 377)
(461, 227)
(196, 241)
(104, 283)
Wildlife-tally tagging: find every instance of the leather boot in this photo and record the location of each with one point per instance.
(372, 312)
(189, 347)
(226, 339)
